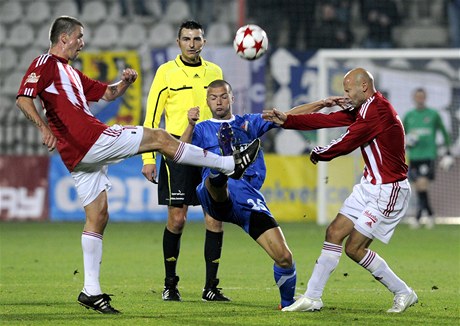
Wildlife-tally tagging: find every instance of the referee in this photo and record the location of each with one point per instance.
(178, 85)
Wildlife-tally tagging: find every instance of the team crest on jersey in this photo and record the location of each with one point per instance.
(32, 78)
(245, 125)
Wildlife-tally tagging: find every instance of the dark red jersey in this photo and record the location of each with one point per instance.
(65, 93)
(375, 127)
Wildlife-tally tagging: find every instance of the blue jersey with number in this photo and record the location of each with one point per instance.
(244, 194)
(245, 128)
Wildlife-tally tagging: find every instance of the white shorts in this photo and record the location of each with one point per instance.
(377, 209)
(115, 144)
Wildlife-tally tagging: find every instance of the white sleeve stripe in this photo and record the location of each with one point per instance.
(29, 91)
(365, 106)
(42, 59)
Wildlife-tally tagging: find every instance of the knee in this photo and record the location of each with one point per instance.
(97, 222)
(213, 224)
(333, 234)
(284, 260)
(176, 223)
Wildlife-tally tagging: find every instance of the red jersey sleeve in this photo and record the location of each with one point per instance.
(94, 90)
(314, 121)
(358, 133)
(38, 77)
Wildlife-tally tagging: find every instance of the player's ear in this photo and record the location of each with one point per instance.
(64, 38)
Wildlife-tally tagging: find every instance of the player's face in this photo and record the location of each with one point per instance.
(191, 42)
(419, 98)
(74, 43)
(354, 92)
(220, 101)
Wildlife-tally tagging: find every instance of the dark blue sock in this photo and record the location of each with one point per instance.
(286, 279)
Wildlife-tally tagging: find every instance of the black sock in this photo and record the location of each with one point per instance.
(217, 179)
(212, 252)
(424, 202)
(418, 215)
(427, 203)
(171, 247)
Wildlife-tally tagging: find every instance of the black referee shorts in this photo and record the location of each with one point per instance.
(177, 184)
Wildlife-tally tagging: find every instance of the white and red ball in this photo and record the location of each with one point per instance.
(251, 42)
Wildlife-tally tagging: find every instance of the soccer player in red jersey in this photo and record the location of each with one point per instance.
(87, 146)
(377, 203)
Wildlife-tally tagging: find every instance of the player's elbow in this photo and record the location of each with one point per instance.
(20, 102)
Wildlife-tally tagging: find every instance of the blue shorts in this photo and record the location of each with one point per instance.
(244, 201)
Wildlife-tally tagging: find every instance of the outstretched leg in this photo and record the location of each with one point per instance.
(284, 270)
(325, 265)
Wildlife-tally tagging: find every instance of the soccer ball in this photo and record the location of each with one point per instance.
(251, 42)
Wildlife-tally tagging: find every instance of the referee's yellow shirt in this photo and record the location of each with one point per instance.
(176, 88)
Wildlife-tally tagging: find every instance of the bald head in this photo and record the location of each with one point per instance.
(358, 85)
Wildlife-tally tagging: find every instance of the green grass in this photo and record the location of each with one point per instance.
(38, 285)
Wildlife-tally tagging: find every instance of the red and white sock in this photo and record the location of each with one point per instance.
(196, 156)
(91, 244)
(325, 265)
(383, 273)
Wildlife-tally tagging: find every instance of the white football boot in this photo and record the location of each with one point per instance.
(403, 301)
(305, 304)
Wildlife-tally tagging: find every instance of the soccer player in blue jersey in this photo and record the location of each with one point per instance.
(240, 201)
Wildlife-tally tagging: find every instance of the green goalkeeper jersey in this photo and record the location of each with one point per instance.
(422, 125)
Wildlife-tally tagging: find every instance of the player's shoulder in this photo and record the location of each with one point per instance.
(43, 60)
(210, 64)
(168, 65)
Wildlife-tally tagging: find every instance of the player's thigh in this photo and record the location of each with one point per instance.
(90, 182)
(113, 145)
(339, 228)
(274, 243)
(386, 205)
(156, 139)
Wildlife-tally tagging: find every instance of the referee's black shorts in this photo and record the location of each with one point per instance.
(177, 184)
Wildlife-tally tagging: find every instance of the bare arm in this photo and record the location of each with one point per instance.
(279, 117)
(27, 106)
(113, 91)
(318, 105)
(193, 116)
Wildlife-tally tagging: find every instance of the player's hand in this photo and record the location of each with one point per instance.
(275, 116)
(150, 172)
(314, 157)
(48, 139)
(193, 115)
(446, 162)
(129, 75)
(343, 102)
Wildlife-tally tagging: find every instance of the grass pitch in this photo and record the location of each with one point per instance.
(41, 275)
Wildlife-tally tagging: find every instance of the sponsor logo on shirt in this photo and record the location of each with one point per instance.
(32, 78)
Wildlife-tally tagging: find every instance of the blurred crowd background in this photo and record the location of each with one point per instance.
(143, 25)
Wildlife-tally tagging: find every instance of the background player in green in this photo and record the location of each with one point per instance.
(421, 125)
(178, 85)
